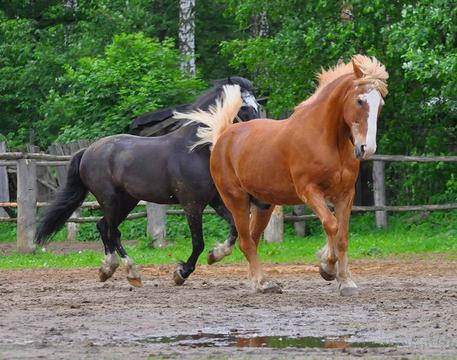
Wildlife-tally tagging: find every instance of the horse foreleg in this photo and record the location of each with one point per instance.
(223, 249)
(327, 255)
(343, 211)
(194, 219)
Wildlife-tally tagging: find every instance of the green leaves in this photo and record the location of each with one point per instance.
(101, 95)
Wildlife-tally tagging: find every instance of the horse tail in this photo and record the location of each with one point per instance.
(67, 200)
(218, 118)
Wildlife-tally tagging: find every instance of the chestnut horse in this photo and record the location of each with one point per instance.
(312, 157)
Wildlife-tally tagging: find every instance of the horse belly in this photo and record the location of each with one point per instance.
(238, 157)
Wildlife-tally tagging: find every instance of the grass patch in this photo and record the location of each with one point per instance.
(408, 234)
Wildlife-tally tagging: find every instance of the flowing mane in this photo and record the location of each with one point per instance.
(374, 73)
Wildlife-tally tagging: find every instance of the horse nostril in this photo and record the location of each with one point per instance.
(362, 147)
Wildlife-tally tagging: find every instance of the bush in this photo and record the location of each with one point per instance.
(101, 95)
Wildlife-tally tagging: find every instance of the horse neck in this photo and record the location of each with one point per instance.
(207, 99)
(325, 114)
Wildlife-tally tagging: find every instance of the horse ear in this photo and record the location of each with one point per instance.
(229, 81)
(357, 71)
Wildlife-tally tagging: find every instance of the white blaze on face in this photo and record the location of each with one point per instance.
(249, 100)
(374, 100)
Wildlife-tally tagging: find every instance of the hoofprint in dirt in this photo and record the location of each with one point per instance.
(410, 306)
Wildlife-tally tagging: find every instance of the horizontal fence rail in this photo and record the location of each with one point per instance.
(424, 208)
(407, 158)
(26, 163)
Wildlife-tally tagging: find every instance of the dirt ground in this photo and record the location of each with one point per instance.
(405, 309)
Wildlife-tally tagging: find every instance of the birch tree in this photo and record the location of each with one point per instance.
(70, 8)
(187, 35)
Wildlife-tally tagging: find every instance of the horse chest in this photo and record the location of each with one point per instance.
(340, 181)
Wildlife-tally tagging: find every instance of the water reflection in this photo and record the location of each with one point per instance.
(246, 340)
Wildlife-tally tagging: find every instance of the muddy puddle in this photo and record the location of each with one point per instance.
(208, 340)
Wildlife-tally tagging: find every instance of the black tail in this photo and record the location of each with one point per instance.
(65, 203)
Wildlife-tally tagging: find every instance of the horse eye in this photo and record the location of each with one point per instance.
(360, 102)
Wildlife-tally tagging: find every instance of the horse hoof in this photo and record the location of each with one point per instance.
(270, 287)
(102, 276)
(349, 291)
(211, 258)
(325, 275)
(136, 282)
(178, 279)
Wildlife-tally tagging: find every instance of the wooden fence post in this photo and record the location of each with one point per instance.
(61, 172)
(274, 231)
(156, 223)
(379, 192)
(73, 228)
(4, 189)
(299, 226)
(26, 205)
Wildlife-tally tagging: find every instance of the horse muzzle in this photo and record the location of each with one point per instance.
(363, 152)
(359, 151)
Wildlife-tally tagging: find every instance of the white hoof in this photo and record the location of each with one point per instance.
(325, 274)
(269, 287)
(108, 267)
(177, 277)
(219, 252)
(348, 288)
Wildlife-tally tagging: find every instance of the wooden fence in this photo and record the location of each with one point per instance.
(26, 165)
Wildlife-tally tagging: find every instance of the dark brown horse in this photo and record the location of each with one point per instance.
(312, 157)
(121, 170)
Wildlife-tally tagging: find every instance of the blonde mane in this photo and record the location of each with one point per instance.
(374, 74)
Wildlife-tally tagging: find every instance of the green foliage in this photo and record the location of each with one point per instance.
(211, 28)
(27, 68)
(101, 94)
(42, 42)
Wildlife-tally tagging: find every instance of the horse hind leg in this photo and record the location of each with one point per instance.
(260, 216)
(110, 262)
(327, 255)
(194, 218)
(240, 209)
(224, 249)
(116, 210)
(133, 273)
(259, 221)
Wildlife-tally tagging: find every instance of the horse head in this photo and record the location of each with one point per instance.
(250, 108)
(363, 104)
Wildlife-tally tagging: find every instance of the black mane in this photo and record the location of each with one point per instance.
(203, 102)
(208, 97)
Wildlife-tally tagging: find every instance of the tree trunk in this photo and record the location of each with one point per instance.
(274, 232)
(70, 7)
(187, 35)
(156, 224)
(260, 25)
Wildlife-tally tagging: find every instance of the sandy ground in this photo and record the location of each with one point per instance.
(408, 307)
